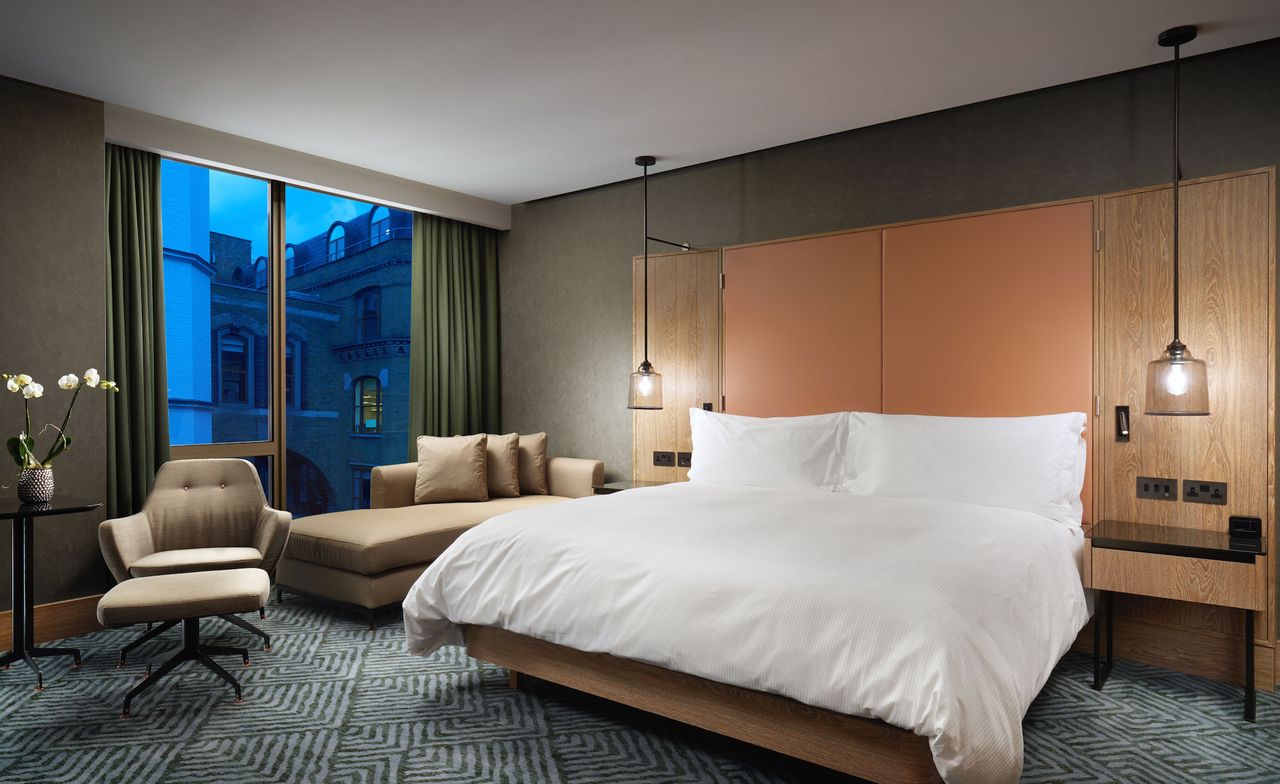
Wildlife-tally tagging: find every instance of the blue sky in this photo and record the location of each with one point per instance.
(238, 206)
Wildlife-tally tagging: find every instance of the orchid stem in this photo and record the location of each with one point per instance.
(53, 450)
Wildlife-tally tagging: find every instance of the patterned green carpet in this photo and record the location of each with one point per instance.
(337, 703)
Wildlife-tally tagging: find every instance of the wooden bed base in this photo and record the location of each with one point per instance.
(861, 747)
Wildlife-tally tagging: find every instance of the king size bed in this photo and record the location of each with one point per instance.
(892, 637)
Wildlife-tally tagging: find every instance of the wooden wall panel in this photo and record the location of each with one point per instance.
(1228, 285)
(802, 326)
(684, 347)
(991, 315)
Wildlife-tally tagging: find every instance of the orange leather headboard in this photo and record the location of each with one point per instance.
(990, 315)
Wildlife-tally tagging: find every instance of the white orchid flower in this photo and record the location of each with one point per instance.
(23, 379)
(32, 390)
(69, 381)
(109, 386)
(13, 385)
(91, 377)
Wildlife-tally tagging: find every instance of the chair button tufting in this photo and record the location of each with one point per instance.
(186, 487)
(222, 486)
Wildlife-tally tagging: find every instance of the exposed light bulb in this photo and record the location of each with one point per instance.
(646, 385)
(1176, 382)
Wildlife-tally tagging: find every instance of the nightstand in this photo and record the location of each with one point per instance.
(1190, 565)
(617, 487)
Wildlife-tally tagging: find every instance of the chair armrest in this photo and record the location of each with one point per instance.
(392, 486)
(573, 477)
(273, 532)
(123, 541)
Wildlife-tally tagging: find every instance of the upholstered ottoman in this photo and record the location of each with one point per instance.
(186, 597)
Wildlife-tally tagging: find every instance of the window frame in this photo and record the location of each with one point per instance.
(358, 426)
(224, 334)
(379, 225)
(337, 236)
(364, 313)
(274, 447)
(361, 478)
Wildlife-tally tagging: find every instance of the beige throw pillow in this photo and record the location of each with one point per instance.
(451, 469)
(503, 463)
(533, 464)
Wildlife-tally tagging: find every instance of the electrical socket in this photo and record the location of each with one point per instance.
(1157, 488)
(1196, 492)
(664, 459)
(684, 459)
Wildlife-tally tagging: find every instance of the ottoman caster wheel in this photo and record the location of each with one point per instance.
(267, 649)
(239, 700)
(245, 663)
(124, 714)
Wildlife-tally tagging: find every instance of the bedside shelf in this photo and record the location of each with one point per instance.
(1167, 540)
(1184, 564)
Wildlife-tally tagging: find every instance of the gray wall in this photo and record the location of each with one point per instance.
(53, 274)
(566, 284)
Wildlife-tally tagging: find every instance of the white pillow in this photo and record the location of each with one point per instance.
(1033, 463)
(804, 451)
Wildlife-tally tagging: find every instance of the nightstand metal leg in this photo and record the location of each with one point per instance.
(1250, 690)
(1101, 667)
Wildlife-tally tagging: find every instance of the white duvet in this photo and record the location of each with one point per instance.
(940, 617)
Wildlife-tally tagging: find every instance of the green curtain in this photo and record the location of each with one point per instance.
(453, 369)
(138, 416)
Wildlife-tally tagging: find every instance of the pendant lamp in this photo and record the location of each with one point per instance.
(1177, 383)
(646, 383)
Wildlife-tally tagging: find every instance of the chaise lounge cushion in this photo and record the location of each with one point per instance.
(196, 559)
(372, 541)
(173, 597)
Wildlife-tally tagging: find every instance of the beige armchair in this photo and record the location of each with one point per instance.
(201, 515)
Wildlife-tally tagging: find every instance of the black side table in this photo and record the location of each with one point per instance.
(22, 519)
(1187, 564)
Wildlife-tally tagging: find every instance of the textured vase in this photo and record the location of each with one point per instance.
(35, 485)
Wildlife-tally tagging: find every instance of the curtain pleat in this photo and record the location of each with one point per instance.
(137, 416)
(454, 373)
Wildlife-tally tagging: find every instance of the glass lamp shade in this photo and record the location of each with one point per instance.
(646, 388)
(1177, 384)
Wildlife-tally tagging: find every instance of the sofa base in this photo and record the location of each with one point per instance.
(366, 592)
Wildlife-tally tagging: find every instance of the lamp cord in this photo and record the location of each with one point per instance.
(1177, 175)
(646, 264)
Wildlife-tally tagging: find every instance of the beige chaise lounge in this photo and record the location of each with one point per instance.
(369, 558)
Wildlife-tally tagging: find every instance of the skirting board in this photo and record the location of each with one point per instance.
(57, 620)
(1209, 654)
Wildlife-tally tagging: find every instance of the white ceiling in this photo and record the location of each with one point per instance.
(512, 100)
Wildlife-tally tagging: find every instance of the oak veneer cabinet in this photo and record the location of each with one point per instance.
(684, 347)
(1228, 319)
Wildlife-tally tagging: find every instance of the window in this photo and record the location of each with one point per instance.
(226, 361)
(379, 225)
(347, 325)
(217, 315)
(337, 242)
(368, 405)
(360, 484)
(368, 314)
(233, 368)
(292, 363)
